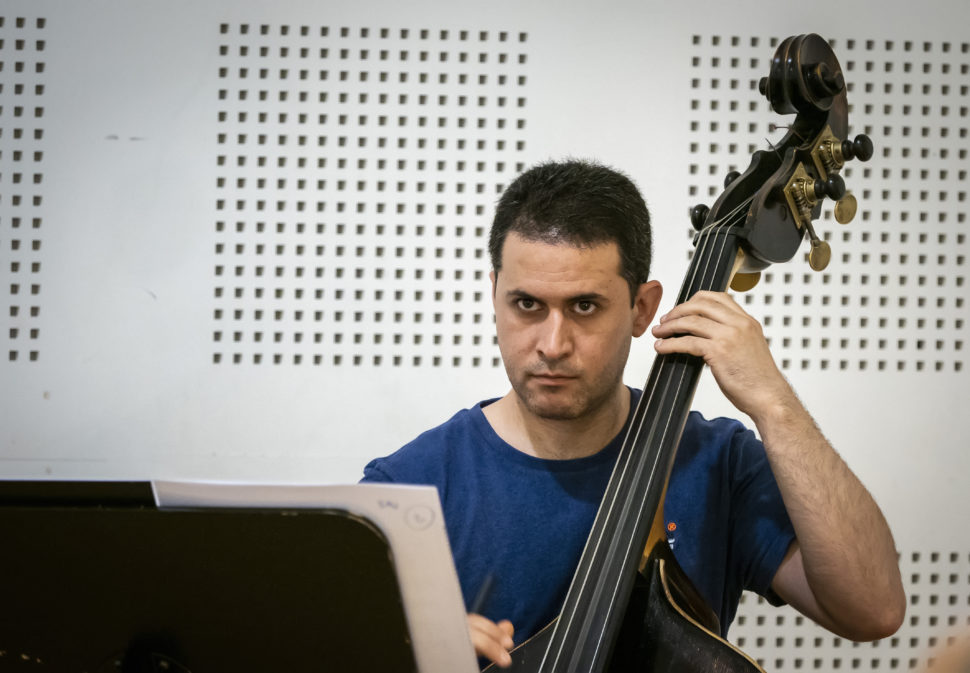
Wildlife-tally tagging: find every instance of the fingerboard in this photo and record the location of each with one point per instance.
(595, 604)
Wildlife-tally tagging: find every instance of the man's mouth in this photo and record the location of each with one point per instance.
(552, 379)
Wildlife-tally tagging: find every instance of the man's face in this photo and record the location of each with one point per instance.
(564, 324)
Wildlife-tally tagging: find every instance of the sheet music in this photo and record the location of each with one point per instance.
(411, 519)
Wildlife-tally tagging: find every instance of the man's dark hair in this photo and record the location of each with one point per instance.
(581, 204)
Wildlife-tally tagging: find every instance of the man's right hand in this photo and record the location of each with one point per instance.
(492, 641)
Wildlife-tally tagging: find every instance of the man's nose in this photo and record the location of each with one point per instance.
(555, 339)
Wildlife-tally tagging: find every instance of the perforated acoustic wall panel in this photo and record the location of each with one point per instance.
(894, 296)
(248, 240)
(938, 617)
(356, 165)
(22, 82)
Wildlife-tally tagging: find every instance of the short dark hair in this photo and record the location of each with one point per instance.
(580, 203)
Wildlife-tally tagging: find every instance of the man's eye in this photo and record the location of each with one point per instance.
(526, 304)
(585, 307)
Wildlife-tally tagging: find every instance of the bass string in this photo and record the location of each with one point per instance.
(566, 621)
(694, 282)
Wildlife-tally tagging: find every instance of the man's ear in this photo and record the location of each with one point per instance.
(645, 305)
(492, 277)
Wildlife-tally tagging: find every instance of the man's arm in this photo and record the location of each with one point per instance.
(842, 571)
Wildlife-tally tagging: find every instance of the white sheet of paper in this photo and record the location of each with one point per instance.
(411, 519)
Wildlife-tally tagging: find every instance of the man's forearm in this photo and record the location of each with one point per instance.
(847, 549)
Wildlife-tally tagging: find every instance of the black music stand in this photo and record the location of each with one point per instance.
(93, 577)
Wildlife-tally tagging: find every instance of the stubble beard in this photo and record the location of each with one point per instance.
(584, 400)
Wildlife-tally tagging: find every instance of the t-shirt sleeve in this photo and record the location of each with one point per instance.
(762, 531)
(374, 472)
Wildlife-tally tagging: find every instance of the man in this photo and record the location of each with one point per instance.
(520, 477)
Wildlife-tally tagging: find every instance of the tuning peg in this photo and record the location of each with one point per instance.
(845, 209)
(698, 216)
(859, 148)
(742, 282)
(833, 187)
(820, 253)
(730, 177)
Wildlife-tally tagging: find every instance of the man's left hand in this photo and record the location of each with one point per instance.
(711, 325)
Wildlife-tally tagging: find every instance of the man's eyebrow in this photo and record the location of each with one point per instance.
(519, 294)
(586, 296)
(590, 296)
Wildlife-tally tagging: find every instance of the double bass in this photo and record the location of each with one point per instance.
(629, 606)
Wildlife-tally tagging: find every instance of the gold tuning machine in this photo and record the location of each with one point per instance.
(830, 155)
(803, 193)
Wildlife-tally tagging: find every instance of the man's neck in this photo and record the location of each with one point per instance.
(558, 439)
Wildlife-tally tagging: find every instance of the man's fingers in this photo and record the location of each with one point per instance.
(711, 316)
(688, 345)
(492, 641)
(714, 305)
(686, 324)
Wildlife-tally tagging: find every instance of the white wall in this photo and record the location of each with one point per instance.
(140, 326)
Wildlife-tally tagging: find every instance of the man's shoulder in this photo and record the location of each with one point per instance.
(718, 429)
(716, 435)
(423, 459)
(470, 420)
(718, 443)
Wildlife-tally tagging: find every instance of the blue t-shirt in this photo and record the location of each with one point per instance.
(524, 520)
